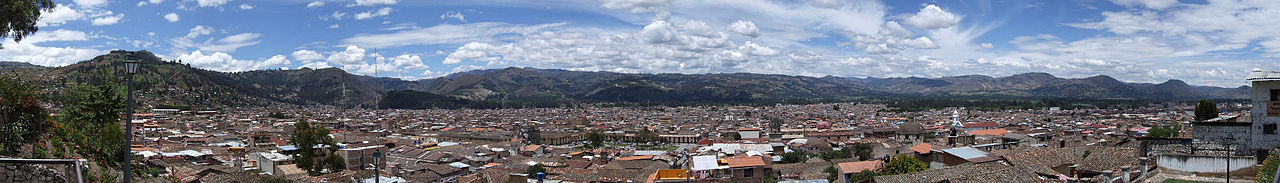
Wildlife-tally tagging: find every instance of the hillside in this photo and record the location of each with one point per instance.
(175, 84)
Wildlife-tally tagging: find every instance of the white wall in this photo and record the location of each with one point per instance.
(1203, 164)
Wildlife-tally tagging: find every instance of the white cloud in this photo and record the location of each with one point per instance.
(987, 45)
(454, 15)
(56, 35)
(635, 6)
(445, 34)
(1153, 4)
(143, 3)
(352, 55)
(226, 44)
(91, 3)
(746, 28)
(211, 3)
(314, 4)
(276, 61)
(409, 62)
(373, 2)
(29, 52)
(338, 15)
(307, 55)
(470, 51)
(246, 6)
(370, 14)
(58, 16)
(334, 26)
(932, 17)
(171, 17)
(223, 62)
(108, 20)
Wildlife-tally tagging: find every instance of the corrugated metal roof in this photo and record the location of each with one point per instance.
(1263, 75)
(966, 152)
(705, 163)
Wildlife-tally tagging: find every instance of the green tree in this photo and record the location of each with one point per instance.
(596, 138)
(903, 164)
(1206, 110)
(335, 162)
(832, 173)
(862, 150)
(20, 17)
(1162, 132)
(794, 157)
(93, 113)
(732, 135)
(864, 175)
(22, 119)
(306, 137)
(1268, 168)
(533, 171)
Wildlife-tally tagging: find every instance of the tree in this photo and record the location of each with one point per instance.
(1162, 132)
(533, 171)
(93, 112)
(596, 139)
(1268, 168)
(306, 137)
(794, 157)
(22, 119)
(832, 173)
(903, 164)
(732, 135)
(862, 150)
(864, 175)
(1206, 110)
(20, 17)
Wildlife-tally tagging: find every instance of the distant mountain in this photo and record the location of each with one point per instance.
(177, 84)
(5, 65)
(171, 83)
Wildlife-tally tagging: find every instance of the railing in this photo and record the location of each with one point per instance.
(77, 163)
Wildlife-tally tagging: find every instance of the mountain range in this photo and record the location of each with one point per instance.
(174, 83)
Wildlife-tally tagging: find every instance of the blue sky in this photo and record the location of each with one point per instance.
(1213, 43)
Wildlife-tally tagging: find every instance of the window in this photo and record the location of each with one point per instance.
(748, 172)
(1269, 129)
(1275, 95)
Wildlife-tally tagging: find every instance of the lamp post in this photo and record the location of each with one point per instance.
(1230, 139)
(377, 177)
(130, 68)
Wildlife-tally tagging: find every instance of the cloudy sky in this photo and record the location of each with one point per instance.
(1214, 43)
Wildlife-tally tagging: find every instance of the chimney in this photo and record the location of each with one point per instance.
(1143, 161)
(1107, 175)
(1124, 171)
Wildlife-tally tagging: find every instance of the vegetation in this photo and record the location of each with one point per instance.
(830, 155)
(731, 135)
(533, 171)
(1268, 171)
(1206, 110)
(20, 17)
(862, 150)
(1164, 132)
(22, 119)
(92, 118)
(647, 136)
(864, 175)
(272, 179)
(903, 164)
(794, 157)
(596, 138)
(832, 173)
(306, 137)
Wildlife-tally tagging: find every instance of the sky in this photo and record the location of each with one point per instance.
(1209, 43)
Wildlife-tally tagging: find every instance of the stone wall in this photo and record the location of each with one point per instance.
(1260, 95)
(33, 173)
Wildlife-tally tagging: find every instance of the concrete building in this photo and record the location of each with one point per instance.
(1266, 109)
(749, 133)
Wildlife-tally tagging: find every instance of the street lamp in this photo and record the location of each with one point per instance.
(130, 68)
(1230, 139)
(377, 177)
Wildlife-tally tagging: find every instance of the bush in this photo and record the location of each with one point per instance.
(22, 119)
(1268, 170)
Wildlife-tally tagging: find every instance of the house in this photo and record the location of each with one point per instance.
(980, 126)
(961, 155)
(749, 133)
(268, 162)
(847, 169)
(747, 168)
(1266, 109)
